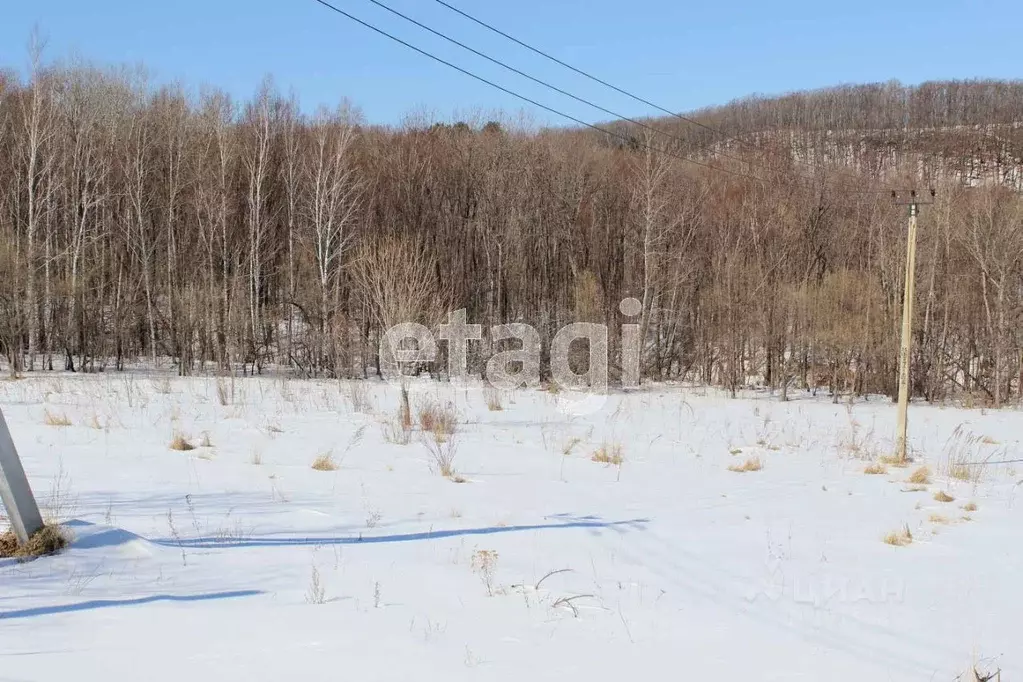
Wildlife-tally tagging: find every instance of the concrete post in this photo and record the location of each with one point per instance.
(17, 497)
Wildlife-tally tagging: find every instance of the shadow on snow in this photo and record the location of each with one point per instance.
(590, 522)
(107, 603)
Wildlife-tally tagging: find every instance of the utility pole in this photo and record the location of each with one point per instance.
(15, 492)
(907, 321)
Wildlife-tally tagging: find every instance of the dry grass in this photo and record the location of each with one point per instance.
(54, 419)
(569, 445)
(50, 540)
(970, 507)
(962, 452)
(493, 399)
(358, 396)
(442, 451)
(751, 464)
(878, 468)
(960, 472)
(397, 430)
(939, 519)
(405, 410)
(893, 461)
(316, 594)
(484, 564)
(180, 443)
(225, 390)
(440, 420)
(942, 496)
(609, 453)
(899, 538)
(325, 462)
(428, 415)
(920, 476)
(857, 442)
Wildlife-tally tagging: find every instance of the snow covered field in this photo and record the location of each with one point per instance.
(238, 561)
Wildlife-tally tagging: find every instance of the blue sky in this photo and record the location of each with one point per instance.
(682, 55)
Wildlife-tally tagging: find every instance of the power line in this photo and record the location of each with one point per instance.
(539, 81)
(627, 139)
(749, 164)
(606, 84)
(579, 71)
(524, 98)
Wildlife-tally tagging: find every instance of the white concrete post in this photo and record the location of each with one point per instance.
(17, 497)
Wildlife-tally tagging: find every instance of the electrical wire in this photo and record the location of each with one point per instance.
(539, 81)
(627, 139)
(529, 100)
(579, 71)
(726, 137)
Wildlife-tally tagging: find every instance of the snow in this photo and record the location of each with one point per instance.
(205, 565)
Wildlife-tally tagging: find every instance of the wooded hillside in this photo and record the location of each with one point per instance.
(143, 223)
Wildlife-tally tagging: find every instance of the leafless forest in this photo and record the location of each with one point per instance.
(143, 224)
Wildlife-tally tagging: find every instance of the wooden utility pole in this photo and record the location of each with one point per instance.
(907, 322)
(15, 492)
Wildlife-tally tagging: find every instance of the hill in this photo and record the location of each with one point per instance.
(965, 131)
(147, 223)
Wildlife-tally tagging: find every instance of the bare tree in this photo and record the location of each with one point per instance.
(138, 224)
(334, 201)
(38, 130)
(262, 120)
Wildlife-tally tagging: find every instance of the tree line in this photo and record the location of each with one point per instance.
(143, 224)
